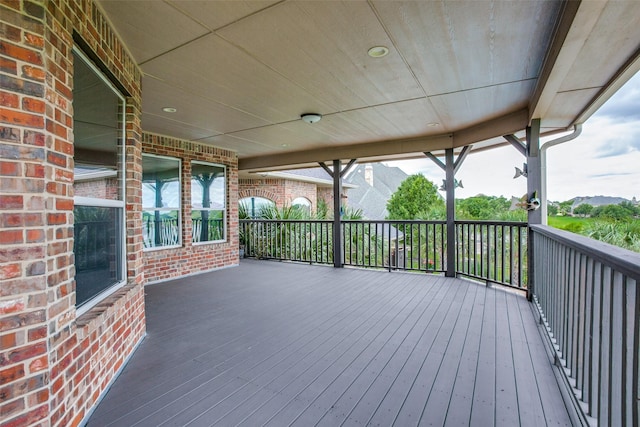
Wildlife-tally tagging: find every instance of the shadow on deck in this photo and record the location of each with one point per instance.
(279, 344)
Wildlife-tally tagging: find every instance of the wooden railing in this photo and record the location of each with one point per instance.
(489, 251)
(588, 299)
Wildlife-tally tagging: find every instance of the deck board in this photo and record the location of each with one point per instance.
(271, 343)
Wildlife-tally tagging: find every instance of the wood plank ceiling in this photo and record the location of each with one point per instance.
(240, 73)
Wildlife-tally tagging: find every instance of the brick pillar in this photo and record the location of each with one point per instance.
(35, 214)
(54, 365)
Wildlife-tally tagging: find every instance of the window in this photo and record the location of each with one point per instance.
(303, 204)
(160, 202)
(251, 207)
(208, 202)
(99, 207)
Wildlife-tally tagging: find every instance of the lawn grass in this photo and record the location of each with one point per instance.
(570, 223)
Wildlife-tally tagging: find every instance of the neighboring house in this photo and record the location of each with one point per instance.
(302, 187)
(374, 184)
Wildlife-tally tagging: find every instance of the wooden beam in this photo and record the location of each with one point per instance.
(353, 151)
(503, 125)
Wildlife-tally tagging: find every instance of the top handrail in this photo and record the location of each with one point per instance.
(620, 259)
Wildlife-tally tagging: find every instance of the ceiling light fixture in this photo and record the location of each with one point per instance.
(169, 109)
(311, 117)
(433, 124)
(378, 51)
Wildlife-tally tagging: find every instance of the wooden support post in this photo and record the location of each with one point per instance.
(451, 212)
(534, 186)
(534, 171)
(337, 220)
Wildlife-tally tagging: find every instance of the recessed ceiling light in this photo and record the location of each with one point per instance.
(432, 125)
(169, 109)
(284, 145)
(378, 51)
(311, 117)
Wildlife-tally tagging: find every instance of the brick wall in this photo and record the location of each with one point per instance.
(167, 263)
(268, 188)
(295, 189)
(53, 364)
(280, 191)
(100, 188)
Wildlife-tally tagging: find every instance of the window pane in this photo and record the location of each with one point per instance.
(160, 201)
(250, 207)
(160, 228)
(208, 202)
(98, 250)
(99, 171)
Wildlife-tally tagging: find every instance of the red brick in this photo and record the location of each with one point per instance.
(38, 364)
(29, 418)
(34, 40)
(11, 306)
(64, 204)
(33, 73)
(12, 408)
(63, 146)
(27, 55)
(8, 65)
(7, 341)
(10, 100)
(34, 138)
(33, 105)
(10, 169)
(21, 118)
(11, 374)
(20, 320)
(57, 159)
(11, 237)
(64, 89)
(56, 218)
(24, 353)
(38, 333)
(34, 236)
(55, 188)
(34, 170)
(11, 202)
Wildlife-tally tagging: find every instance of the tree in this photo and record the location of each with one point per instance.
(415, 197)
(583, 209)
(482, 207)
(619, 212)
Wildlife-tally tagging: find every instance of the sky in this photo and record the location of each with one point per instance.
(603, 160)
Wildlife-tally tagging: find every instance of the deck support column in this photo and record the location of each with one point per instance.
(337, 173)
(534, 186)
(450, 168)
(534, 170)
(451, 213)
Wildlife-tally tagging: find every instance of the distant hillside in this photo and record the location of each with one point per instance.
(600, 201)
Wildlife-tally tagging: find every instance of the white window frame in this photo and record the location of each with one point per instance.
(179, 207)
(225, 211)
(91, 201)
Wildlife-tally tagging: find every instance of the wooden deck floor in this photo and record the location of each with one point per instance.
(278, 344)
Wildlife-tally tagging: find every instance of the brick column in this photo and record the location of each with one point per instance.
(54, 365)
(35, 249)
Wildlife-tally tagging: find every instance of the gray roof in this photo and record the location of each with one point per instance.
(372, 200)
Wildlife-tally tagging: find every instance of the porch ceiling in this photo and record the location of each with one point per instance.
(240, 73)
